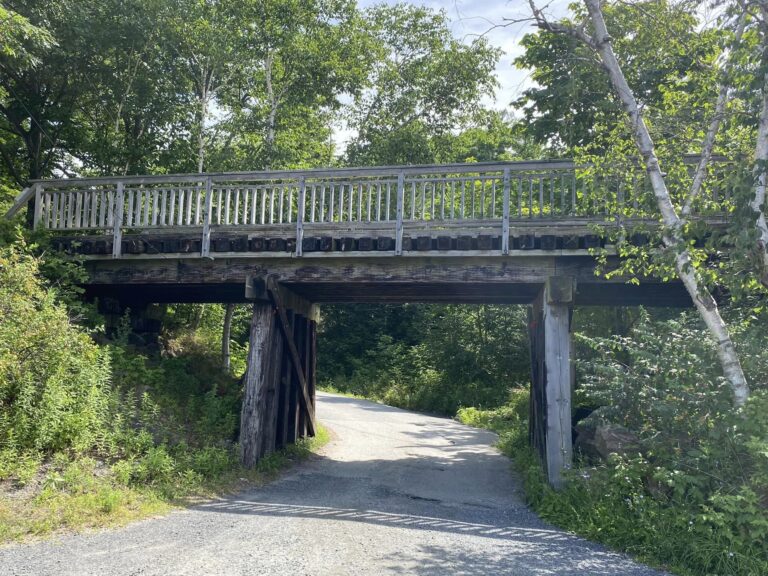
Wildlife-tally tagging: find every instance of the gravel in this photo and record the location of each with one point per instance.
(394, 492)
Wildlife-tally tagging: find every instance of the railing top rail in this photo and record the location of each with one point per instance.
(516, 166)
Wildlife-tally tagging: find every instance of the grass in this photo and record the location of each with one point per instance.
(82, 494)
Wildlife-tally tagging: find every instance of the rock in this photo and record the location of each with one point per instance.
(615, 439)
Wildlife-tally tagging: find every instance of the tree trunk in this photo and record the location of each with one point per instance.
(705, 304)
(226, 333)
(761, 180)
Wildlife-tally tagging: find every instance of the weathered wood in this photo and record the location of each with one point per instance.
(259, 372)
(256, 288)
(424, 243)
(271, 392)
(484, 242)
(284, 397)
(365, 244)
(527, 242)
(312, 352)
(304, 400)
(558, 298)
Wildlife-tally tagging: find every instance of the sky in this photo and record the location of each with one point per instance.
(490, 18)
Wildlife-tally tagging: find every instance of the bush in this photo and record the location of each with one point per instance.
(54, 381)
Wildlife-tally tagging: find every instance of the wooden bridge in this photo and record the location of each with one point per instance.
(511, 232)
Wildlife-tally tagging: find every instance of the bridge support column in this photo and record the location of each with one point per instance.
(262, 372)
(279, 396)
(551, 376)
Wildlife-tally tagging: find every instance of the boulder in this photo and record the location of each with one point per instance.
(615, 439)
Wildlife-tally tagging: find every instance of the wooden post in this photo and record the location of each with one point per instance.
(300, 215)
(558, 298)
(505, 215)
(259, 370)
(117, 221)
(205, 242)
(38, 213)
(551, 376)
(399, 215)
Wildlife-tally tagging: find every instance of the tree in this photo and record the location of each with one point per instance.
(39, 104)
(594, 34)
(424, 83)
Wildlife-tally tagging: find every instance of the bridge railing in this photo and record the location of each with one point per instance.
(400, 198)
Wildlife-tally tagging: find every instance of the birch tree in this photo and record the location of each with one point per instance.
(596, 36)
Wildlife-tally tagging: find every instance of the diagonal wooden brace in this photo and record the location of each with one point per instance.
(304, 400)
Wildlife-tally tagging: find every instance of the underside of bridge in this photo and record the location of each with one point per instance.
(286, 292)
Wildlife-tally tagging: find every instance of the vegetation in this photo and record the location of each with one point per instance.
(93, 435)
(692, 495)
(98, 425)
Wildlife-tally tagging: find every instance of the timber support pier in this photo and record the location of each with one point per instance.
(289, 241)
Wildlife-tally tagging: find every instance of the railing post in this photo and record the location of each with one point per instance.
(205, 243)
(505, 215)
(38, 206)
(399, 223)
(300, 215)
(117, 222)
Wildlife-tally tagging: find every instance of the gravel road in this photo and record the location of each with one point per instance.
(393, 493)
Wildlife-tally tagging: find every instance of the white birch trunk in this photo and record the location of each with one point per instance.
(761, 180)
(705, 304)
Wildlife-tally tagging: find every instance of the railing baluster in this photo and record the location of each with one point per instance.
(38, 206)
(180, 208)
(155, 195)
(263, 191)
(493, 198)
(389, 204)
(573, 194)
(463, 195)
(368, 186)
(289, 217)
(322, 203)
(331, 203)
(54, 210)
(541, 195)
(378, 202)
(147, 196)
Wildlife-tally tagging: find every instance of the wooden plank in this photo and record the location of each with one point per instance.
(284, 396)
(304, 400)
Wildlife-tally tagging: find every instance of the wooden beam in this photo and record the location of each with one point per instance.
(304, 400)
(556, 304)
(260, 370)
(256, 289)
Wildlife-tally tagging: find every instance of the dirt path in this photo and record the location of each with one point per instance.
(394, 493)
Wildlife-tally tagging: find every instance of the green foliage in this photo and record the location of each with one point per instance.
(694, 499)
(426, 357)
(54, 381)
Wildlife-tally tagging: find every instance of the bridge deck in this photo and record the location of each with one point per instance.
(460, 232)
